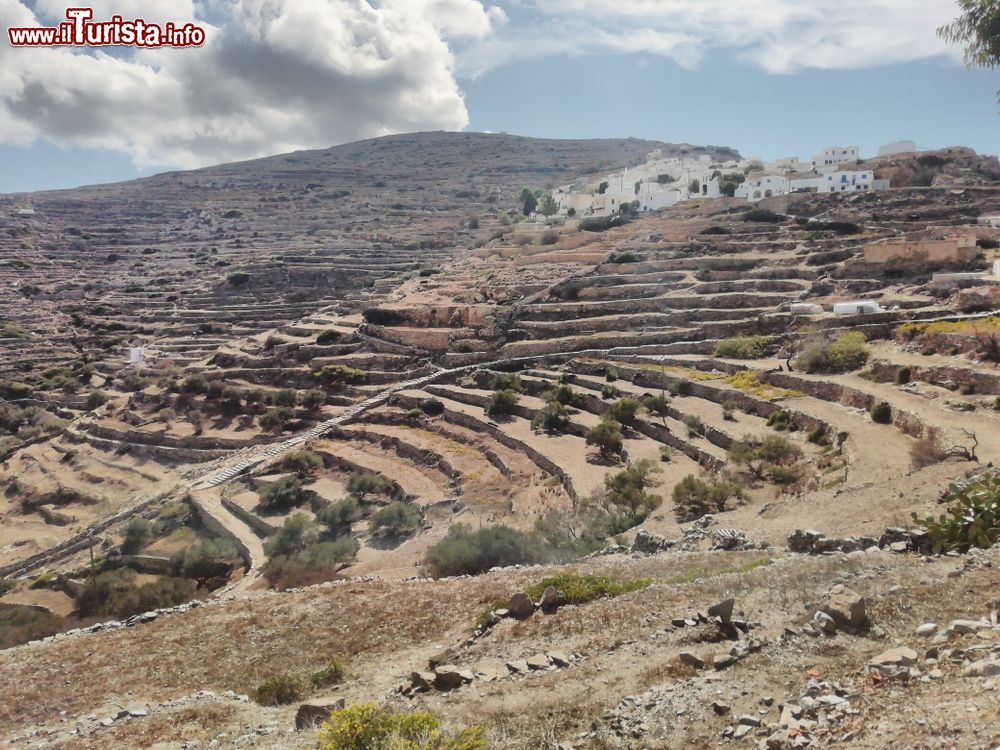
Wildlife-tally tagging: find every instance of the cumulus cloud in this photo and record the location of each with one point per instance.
(273, 76)
(779, 36)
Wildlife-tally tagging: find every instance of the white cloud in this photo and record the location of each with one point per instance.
(779, 36)
(274, 75)
(279, 75)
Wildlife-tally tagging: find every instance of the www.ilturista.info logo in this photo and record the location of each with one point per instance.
(80, 31)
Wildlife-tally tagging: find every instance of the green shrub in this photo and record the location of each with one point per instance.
(507, 381)
(395, 521)
(277, 419)
(314, 564)
(609, 392)
(284, 494)
(20, 624)
(303, 462)
(695, 497)
(764, 456)
(502, 403)
(312, 399)
(743, 347)
(328, 336)
(626, 499)
(903, 375)
(819, 436)
(846, 353)
(369, 483)
(115, 593)
(779, 420)
(624, 411)
(565, 395)
(137, 533)
(339, 516)
(211, 559)
(580, 589)
(607, 437)
(96, 399)
(333, 673)
(464, 551)
(297, 532)
(365, 726)
(611, 375)
(553, 417)
(680, 387)
(971, 520)
(335, 375)
(658, 404)
(666, 453)
(279, 689)
(881, 412)
(763, 215)
(625, 256)
(695, 427)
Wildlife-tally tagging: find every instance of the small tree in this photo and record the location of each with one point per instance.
(607, 437)
(695, 497)
(371, 483)
(624, 411)
(137, 533)
(283, 494)
(547, 206)
(304, 462)
(297, 533)
(339, 516)
(528, 201)
(313, 399)
(694, 187)
(502, 403)
(553, 417)
(395, 521)
(761, 455)
(507, 381)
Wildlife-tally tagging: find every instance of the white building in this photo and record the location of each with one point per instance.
(789, 164)
(762, 186)
(857, 307)
(834, 155)
(996, 268)
(655, 197)
(834, 182)
(899, 147)
(136, 355)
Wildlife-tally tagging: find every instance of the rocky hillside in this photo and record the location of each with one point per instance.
(390, 448)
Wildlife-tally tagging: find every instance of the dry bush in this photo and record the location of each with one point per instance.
(928, 450)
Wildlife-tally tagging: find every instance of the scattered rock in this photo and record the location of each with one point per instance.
(559, 658)
(927, 629)
(518, 666)
(723, 610)
(848, 609)
(692, 660)
(649, 544)
(900, 656)
(538, 661)
(983, 668)
(721, 709)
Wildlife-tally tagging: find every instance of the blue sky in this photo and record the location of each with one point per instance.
(769, 77)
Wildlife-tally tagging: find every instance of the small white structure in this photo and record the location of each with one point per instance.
(836, 155)
(25, 212)
(899, 147)
(805, 308)
(763, 186)
(655, 197)
(136, 355)
(989, 221)
(857, 307)
(996, 267)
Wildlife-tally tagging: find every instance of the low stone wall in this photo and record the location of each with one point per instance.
(258, 525)
(953, 378)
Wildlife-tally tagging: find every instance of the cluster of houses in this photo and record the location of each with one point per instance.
(662, 182)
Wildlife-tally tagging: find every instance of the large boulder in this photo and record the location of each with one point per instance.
(520, 605)
(310, 715)
(449, 677)
(848, 609)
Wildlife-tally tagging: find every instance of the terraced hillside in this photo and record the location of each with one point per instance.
(650, 403)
